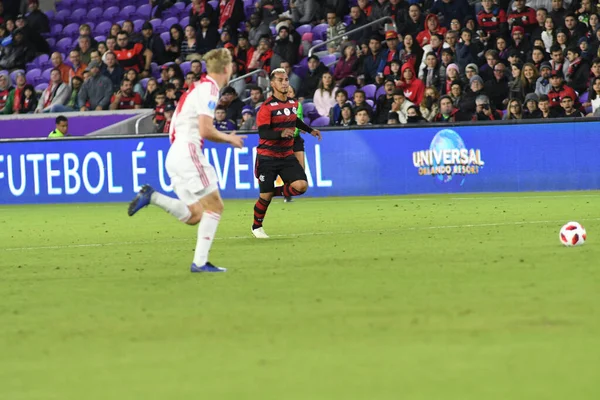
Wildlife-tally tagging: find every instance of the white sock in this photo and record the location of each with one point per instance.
(175, 207)
(206, 234)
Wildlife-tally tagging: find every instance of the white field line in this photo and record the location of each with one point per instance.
(432, 197)
(295, 235)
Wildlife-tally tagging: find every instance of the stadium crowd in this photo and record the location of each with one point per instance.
(439, 61)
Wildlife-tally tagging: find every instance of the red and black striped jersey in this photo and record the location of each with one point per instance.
(131, 57)
(525, 18)
(490, 22)
(275, 115)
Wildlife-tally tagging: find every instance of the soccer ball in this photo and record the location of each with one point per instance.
(572, 234)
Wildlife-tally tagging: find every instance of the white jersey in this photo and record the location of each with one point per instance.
(201, 99)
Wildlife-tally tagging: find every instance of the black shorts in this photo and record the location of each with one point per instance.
(298, 143)
(267, 169)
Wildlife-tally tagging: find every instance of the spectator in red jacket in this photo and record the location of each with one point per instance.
(412, 87)
(432, 26)
(559, 89)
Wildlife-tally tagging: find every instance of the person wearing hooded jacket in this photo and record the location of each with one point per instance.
(413, 87)
(432, 26)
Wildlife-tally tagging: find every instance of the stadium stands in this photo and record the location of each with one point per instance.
(475, 42)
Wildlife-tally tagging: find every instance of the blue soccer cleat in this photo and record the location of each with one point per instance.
(208, 267)
(141, 200)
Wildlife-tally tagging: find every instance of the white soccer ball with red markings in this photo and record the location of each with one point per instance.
(572, 234)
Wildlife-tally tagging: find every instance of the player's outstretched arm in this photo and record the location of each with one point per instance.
(209, 132)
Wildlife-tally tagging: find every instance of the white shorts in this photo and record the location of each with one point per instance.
(191, 175)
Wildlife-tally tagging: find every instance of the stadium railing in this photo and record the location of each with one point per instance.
(370, 24)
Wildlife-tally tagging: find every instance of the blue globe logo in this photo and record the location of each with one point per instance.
(447, 139)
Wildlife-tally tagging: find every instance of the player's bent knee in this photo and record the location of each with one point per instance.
(213, 203)
(301, 186)
(196, 210)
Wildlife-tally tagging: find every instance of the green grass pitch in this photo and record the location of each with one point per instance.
(418, 297)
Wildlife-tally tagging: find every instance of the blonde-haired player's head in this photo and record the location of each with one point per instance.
(218, 64)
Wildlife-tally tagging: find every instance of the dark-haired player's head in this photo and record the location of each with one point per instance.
(62, 124)
(279, 83)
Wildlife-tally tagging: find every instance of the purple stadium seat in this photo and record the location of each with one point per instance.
(303, 62)
(350, 89)
(170, 22)
(369, 91)
(179, 6)
(137, 25)
(71, 30)
(203, 66)
(273, 31)
(380, 91)
(65, 5)
(347, 20)
(51, 42)
(144, 12)
(306, 121)
(371, 103)
(144, 83)
(90, 23)
(320, 31)
(95, 14)
(32, 75)
(100, 38)
(310, 110)
(300, 70)
(64, 45)
(50, 14)
(185, 67)
(584, 97)
(120, 22)
(103, 28)
(170, 13)
(77, 15)
(214, 4)
(41, 60)
(46, 75)
(81, 3)
(41, 87)
(156, 22)
(302, 29)
(166, 37)
(328, 59)
(321, 121)
(184, 21)
(316, 42)
(62, 15)
(56, 29)
(110, 13)
(127, 11)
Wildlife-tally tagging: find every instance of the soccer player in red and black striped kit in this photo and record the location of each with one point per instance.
(276, 121)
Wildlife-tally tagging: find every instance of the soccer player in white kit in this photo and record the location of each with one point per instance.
(194, 180)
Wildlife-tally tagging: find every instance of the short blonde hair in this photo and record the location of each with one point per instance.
(217, 60)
